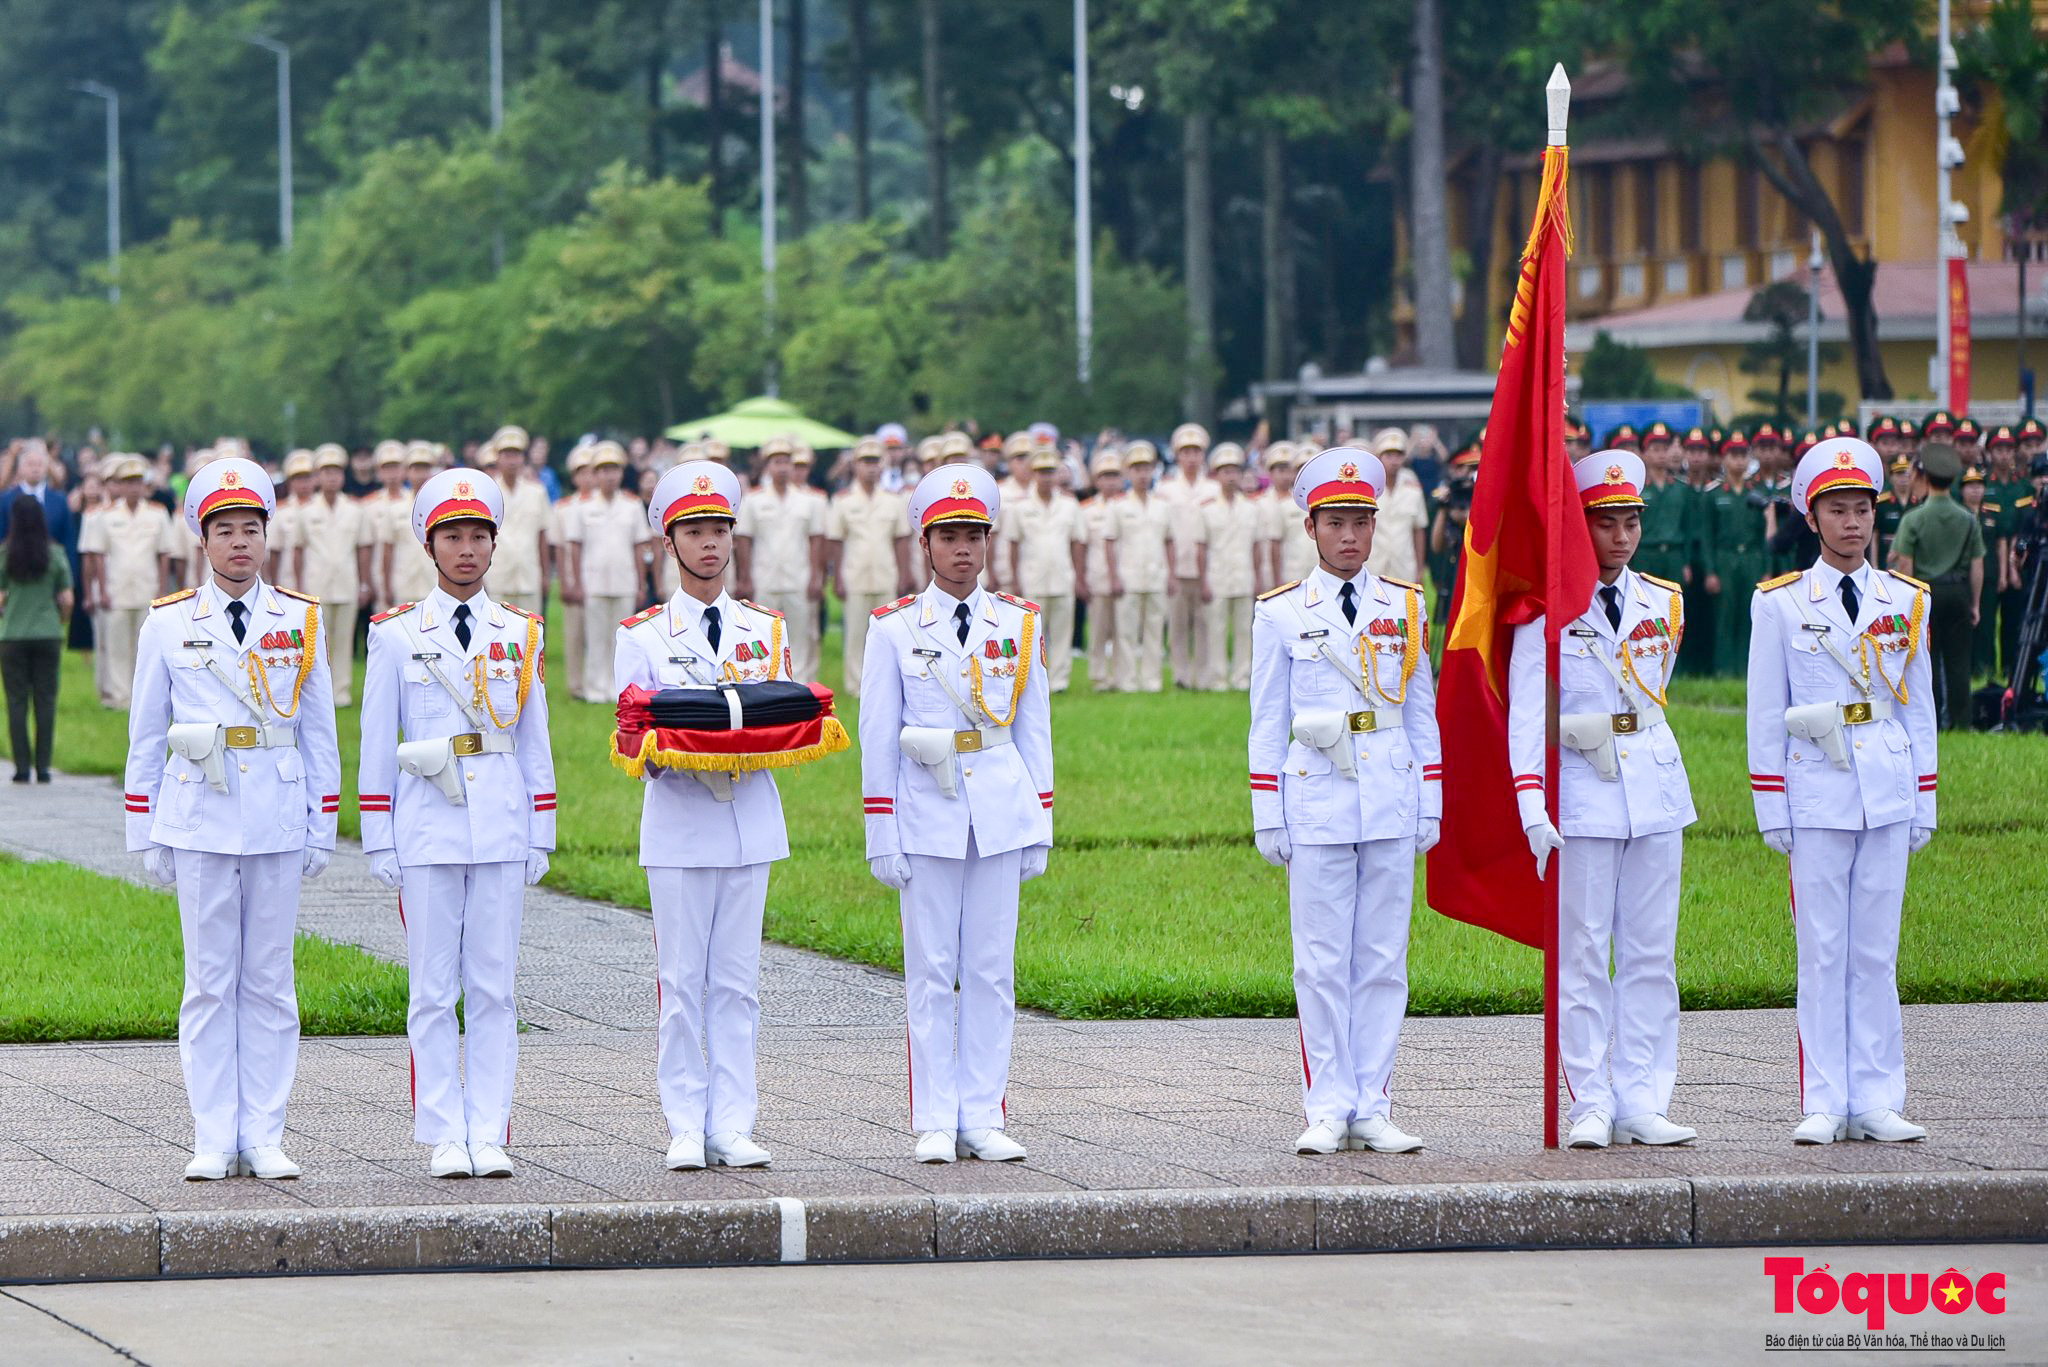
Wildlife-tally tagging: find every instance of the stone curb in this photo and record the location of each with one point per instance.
(1621, 1213)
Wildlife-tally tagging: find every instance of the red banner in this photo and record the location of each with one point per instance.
(1526, 552)
(1958, 286)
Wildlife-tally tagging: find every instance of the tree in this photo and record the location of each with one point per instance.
(1429, 232)
(1616, 370)
(1782, 305)
(2006, 59)
(1749, 79)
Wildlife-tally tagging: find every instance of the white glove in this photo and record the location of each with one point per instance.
(1033, 863)
(1779, 839)
(1543, 838)
(1428, 831)
(1918, 840)
(891, 870)
(1274, 846)
(384, 867)
(536, 866)
(316, 862)
(160, 862)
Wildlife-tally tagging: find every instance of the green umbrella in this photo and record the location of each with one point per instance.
(752, 421)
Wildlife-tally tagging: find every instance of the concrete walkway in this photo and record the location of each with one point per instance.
(1145, 1136)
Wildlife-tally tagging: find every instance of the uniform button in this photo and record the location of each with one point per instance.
(1624, 754)
(1859, 745)
(1302, 772)
(245, 768)
(970, 773)
(470, 776)
(1365, 754)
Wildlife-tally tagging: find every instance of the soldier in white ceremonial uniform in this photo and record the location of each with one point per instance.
(956, 776)
(706, 839)
(1346, 780)
(459, 816)
(1843, 774)
(1623, 804)
(231, 678)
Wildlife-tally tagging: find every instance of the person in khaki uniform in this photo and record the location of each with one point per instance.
(606, 564)
(565, 529)
(869, 547)
(127, 545)
(1187, 590)
(408, 570)
(1105, 585)
(519, 568)
(331, 560)
(803, 461)
(1290, 552)
(781, 552)
(284, 527)
(1231, 524)
(389, 508)
(1141, 568)
(1047, 546)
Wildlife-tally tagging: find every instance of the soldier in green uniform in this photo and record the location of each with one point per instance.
(1892, 505)
(1940, 542)
(1990, 517)
(1884, 435)
(1578, 438)
(1732, 551)
(1969, 443)
(1701, 469)
(1670, 516)
(2007, 453)
(1623, 438)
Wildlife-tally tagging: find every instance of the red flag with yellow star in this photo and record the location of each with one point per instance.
(1526, 549)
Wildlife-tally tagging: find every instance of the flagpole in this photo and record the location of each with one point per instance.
(1558, 95)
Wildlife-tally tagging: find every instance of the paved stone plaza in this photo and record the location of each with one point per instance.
(1207, 1106)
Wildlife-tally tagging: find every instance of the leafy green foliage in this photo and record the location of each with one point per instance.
(1617, 370)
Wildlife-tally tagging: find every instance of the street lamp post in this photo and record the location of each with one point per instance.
(113, 100)
(284, 134)
(1084, 234)
(1814, 262)
(1948, 155)
(497, 10)
(768, 184)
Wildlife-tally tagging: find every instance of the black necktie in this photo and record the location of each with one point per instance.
(1347, 598)
(237, 610)
(462, 624)
(1611, 596)
(711, 628)
(960, 616)
(1849, 598)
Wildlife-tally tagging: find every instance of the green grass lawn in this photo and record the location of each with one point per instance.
(91, 957)
(1157, 905)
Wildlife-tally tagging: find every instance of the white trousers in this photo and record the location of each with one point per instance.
(858, 609)
(799, 630)
(115, 632)
(1227, 654)
(1618, 1039)
(1102, 643)
(1187, 627)
(601, 618)
(462, 941)
(1848, 888)
(960, 926)
(238, 1025)
(1140, 640)
(1348, 908)
(707, 951)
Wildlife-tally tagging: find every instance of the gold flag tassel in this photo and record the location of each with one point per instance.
(831, 740)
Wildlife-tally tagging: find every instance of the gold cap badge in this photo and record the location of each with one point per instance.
(960, 488)
(1614, 474)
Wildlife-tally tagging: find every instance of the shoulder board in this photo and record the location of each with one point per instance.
(647, 615)
(390, 613)
(312, 598)
(2026, 502)
(1275, 593)
(1665, 584)
(1401, 584)
(180, 596)
(518, 611)
(758, 608)
(1780, 582)
(1886, 497)
(1024, 603)
(897, 606)
(1991, 507)
(1908, 579)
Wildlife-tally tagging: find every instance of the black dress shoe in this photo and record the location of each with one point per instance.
(43, 777)
(21, 777)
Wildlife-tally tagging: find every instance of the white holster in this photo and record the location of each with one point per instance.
(1821, 723)
(200, 743)
(934, 748)
(1592, 735)
(1329, 731)
(718, 784)
(434, 761)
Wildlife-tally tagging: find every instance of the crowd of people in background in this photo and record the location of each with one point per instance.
(1146, 555)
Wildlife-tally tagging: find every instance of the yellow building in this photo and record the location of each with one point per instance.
(1669, 250)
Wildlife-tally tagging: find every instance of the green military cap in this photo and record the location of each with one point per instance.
(1940, 460)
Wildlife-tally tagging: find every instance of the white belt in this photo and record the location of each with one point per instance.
(493, 742)
(259, 737)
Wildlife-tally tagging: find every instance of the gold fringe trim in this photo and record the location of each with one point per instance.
(831, 741)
